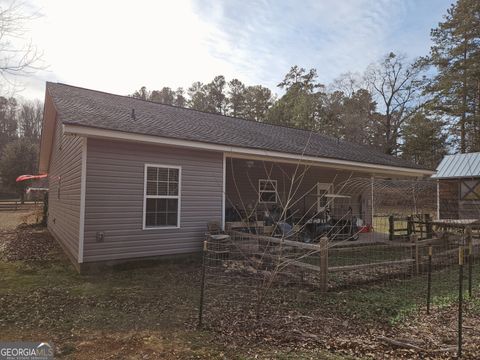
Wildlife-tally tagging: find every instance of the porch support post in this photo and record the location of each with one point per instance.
(224, 189)
(372, 179)
(438, 199)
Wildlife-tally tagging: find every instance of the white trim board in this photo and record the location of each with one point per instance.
(178, 197)
(224, 189)
(240, 152)
(83, 188)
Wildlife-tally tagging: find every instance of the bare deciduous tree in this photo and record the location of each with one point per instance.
(395, 85)
(18, 55)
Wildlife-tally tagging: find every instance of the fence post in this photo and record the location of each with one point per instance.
(414, 240)
(202, 284)
(323, 264)
(391, 227)
(429, 226)
(469, 243)
(410, 225)
(429, 278)
(460, 299)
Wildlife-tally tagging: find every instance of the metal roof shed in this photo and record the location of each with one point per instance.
(458, 186)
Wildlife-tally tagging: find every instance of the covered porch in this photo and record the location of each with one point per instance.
(343, 203)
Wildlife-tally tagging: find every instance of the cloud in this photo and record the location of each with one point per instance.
(119, 46)
(263, 38)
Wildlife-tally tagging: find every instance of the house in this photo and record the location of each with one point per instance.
(132, 179)
(458, 186)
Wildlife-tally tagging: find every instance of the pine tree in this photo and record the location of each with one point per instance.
(299, 106)
(424, 141)
(455, 88)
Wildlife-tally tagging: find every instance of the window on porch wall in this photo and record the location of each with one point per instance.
(267, 191)
(324, 189)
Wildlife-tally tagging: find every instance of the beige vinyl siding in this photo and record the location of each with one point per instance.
(64, 212)
(115, 195)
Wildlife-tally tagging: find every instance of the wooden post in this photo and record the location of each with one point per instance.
(410, 225)
(429, 226)
(323, 264)
(414, 239)
(391, 227)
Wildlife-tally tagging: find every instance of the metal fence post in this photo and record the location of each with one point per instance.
(460, 300)
(202, 284)
(470, 260)
(429, 278)
(323, 264)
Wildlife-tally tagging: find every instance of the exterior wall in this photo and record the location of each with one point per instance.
(114, 199)
(242, 187)
(64, 198)
(469, 208)
(449, 199)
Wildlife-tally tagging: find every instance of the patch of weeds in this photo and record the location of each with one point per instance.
(66, 349)
(403, 314)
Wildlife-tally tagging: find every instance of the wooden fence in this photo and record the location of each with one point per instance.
(327, 258)
(403, 227)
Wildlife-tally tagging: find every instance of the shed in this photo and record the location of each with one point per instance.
(458, 186)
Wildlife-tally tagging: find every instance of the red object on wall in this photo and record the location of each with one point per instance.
(30, 177)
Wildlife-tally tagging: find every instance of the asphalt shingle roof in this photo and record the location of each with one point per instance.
(98, 109)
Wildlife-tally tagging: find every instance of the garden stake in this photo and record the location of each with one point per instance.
(429, 278)
(460, 300)
(470, 268)
(202, 289)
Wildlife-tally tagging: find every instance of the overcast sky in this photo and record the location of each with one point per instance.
(118, 46)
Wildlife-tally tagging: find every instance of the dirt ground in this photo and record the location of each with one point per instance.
(9, 220)
(150, 312)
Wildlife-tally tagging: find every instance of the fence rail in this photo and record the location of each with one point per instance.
(326, 258)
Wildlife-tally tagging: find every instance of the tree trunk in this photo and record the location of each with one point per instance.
(463, 142)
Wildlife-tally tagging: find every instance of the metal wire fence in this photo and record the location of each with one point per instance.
(255, 271)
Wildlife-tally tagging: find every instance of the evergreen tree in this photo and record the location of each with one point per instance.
(455, 88)
(198, 98)
(299, 106)
(164, 96)
(180, 99)
(258, 100)
(424, 141)
(236, 98)
(215, 94)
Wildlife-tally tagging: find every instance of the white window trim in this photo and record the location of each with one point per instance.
(179, 196)
(328, 187)
(274, 182)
